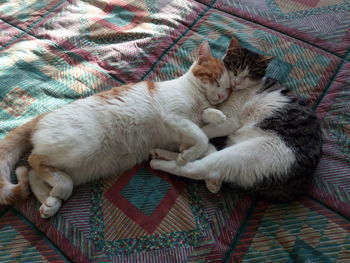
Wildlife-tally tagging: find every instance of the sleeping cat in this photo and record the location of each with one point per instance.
(274, 141)
(111, 131)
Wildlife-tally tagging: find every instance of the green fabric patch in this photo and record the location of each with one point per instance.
(145, 191)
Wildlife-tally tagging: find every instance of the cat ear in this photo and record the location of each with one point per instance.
(266, 59)
(204, 49)
(233, 43)
(232, 48)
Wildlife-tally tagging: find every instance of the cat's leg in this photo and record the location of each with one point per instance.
(172, 156)
(191, 134)
(61, 184)
(188, 170)
(214, 183)
(49, 204)
(39, 187)
(243, 164)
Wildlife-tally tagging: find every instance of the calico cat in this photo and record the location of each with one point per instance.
(274, 139)
(111, 131)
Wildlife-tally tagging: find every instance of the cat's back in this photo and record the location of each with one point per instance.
(297, 125)
(294, 121)
(100, 134)
(92, 122)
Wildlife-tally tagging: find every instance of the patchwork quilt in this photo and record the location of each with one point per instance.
(53, 52)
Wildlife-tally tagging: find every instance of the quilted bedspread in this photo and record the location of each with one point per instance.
(53, 52)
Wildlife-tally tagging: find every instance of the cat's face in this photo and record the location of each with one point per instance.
(212, 75)
(246, 67)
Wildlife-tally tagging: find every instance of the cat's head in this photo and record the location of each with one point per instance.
(245, 66)
(212, 75)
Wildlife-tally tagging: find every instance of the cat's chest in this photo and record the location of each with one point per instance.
(256, 111)
(258, 107)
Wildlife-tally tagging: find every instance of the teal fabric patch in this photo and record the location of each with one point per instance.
(120, 16)
(145, 191)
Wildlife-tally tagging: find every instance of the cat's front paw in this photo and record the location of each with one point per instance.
(213, 116)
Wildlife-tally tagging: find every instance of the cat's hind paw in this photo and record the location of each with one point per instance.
(50, 207)
(213, 186)
(163, 155)
(181, 160)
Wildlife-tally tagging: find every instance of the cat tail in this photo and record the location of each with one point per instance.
(15, 144)
(283, 192)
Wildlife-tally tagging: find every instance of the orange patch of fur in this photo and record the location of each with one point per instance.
(19, 135)
(40, 165)
(114, 93)
(151, 86)
(19, 192)
(209, 69)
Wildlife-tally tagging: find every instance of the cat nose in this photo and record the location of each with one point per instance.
(220, 96)
(237, 83)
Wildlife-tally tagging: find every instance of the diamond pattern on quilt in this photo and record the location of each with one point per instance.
(303, 68)
(144, 209)
(25, 13)
(7, 34)
(59, 51)
(320, 22)
(303, 5)
(19, 242)
(145, 191)
(16, 102)
(36, 72)
(332, 176)
(123, 37)
(144, 197)
(310, 233)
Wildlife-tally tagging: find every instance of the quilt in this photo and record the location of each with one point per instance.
(53, 52)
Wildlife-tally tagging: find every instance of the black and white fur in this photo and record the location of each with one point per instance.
(273, 146)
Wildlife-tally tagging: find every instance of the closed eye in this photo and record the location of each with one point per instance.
(217, 82)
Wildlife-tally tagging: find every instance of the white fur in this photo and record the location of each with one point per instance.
(89, 138)
(253, 154)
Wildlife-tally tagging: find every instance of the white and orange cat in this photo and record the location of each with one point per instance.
(108, 133)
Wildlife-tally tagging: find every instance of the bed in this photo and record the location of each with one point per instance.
(53, 52)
